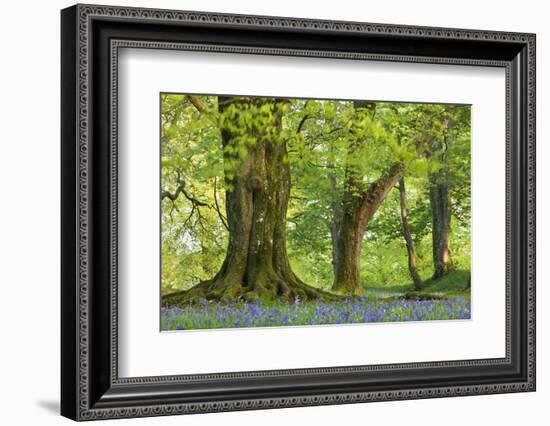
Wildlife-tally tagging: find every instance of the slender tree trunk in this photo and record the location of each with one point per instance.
(440, 203)
(258, 188)
(336, 220)
(358, 208)
(408, 238)
(441, 224)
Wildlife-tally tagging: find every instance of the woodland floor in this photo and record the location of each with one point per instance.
(445, 299)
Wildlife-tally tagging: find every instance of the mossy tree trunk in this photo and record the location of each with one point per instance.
(257, 176)
(440, 203)
(336, 220)
(358, 208)
(441, 224)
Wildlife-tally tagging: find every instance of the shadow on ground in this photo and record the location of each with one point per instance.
(50, 406)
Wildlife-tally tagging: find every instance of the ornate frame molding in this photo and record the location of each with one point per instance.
(78, 24)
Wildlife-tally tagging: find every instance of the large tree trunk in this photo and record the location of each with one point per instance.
(441, 224)
(258, 187)
(408, 237)
(358, 208)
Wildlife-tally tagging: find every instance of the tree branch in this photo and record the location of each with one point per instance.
(302, 121)
(193, 208)
(378, 190)
(181, 190)
(197, 103)
(195, 203)
(217, 207)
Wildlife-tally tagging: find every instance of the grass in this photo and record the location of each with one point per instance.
(454, 284)
(445, 299)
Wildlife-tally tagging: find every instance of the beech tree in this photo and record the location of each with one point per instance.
(445, 148)
(409, 242)
(263, 195)
(257, 180)
(441, 224)
(356, 205)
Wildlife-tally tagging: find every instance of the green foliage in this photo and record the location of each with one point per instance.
(327, 142)
(193, 235)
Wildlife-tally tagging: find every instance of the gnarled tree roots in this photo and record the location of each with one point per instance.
(269, 287)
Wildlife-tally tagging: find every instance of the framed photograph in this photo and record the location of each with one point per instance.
(263, 212)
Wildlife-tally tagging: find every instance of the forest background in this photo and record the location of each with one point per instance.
(343, 198)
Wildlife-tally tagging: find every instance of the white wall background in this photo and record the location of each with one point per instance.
(29, 215)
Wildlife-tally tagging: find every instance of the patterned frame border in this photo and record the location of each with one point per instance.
(116, 45)
(85, 13)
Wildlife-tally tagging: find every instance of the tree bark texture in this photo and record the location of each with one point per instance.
(440, 203)
(441, 224)
(353, 212)
(411, 255)
(336, 220)
(358, 208)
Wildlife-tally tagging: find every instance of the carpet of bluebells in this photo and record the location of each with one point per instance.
(238, 313)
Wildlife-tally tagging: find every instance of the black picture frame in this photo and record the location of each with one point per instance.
(90, 386)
